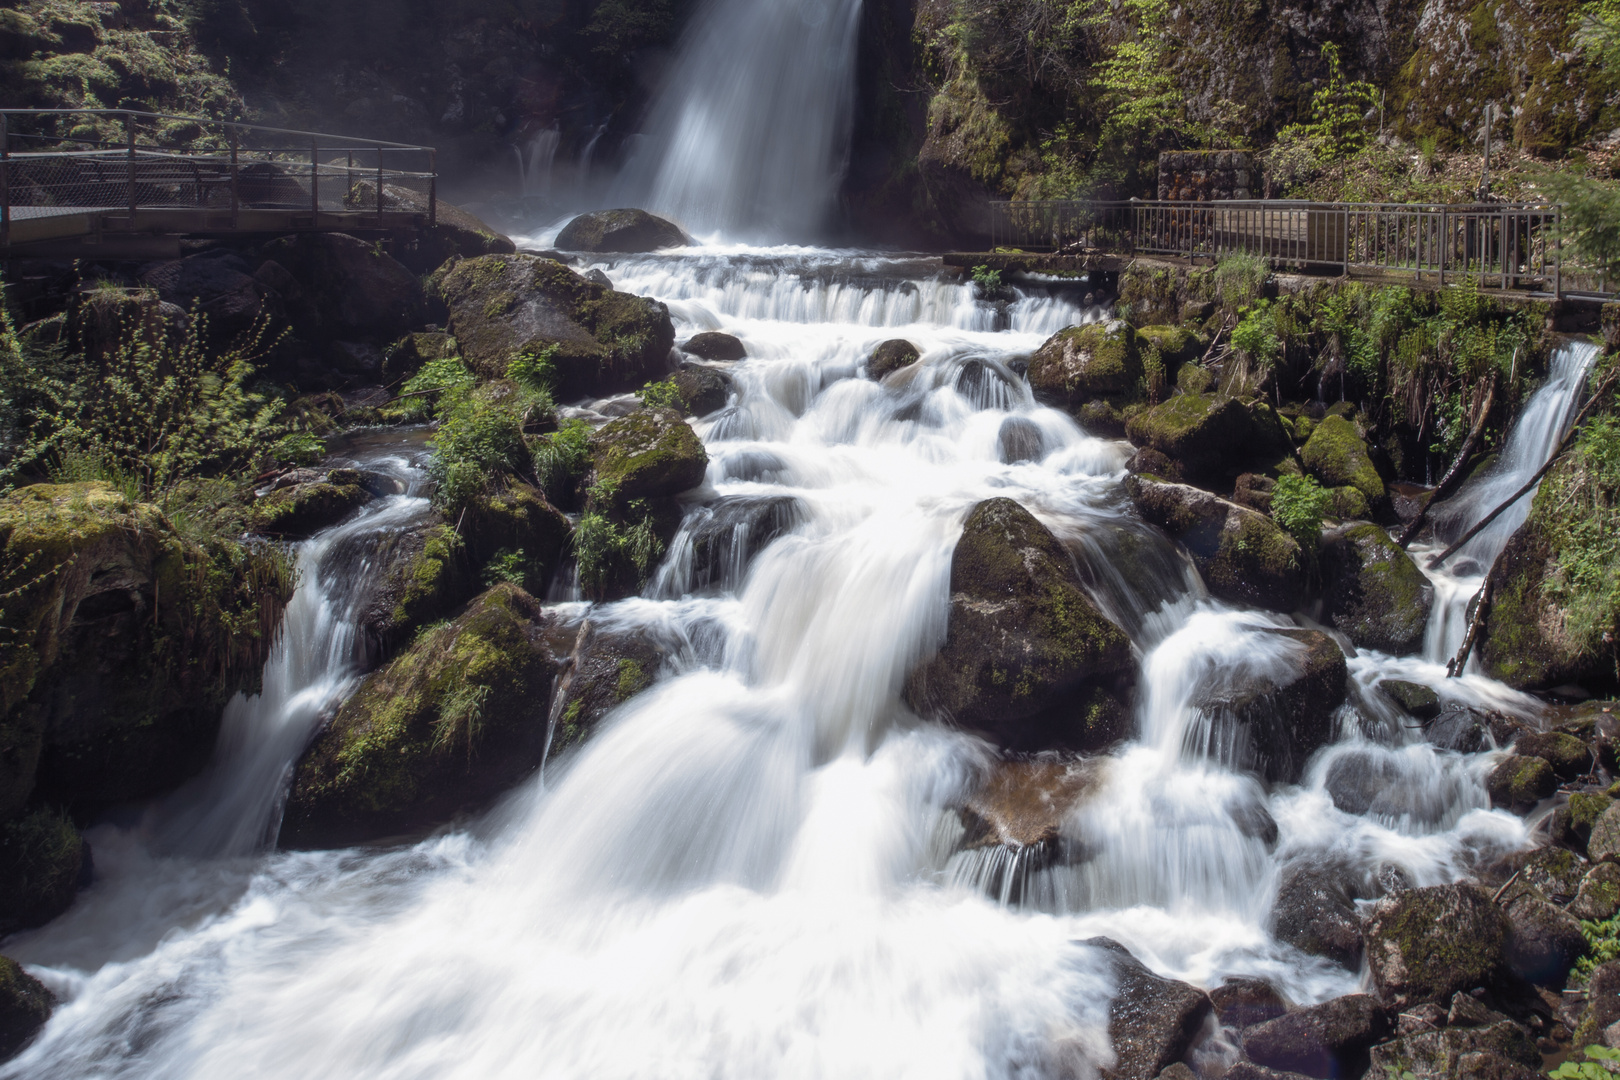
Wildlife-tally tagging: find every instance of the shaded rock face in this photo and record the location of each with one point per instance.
(1211, 436)
(712, 345)
(1316, 913)
(424, 574)
(517, 520)
(1602, 1004)
(1519, 782)
(606, 667)
(703, 389)
(1019, 440)
(217, 285)
(1374, 593)
(25, 1005)
(1085, 362)
(1023, 636)
(106, 694)
(605, 341)
(1243, 556)
(1415, 699)
(1440, 1053)
(1327, 1040)
(302, 509)
(890, 357)
(1427, 944)
(1567, 755)
(455, 720)
(350, 289)
(1543, 940)
(1243, 1003)
(1274, 728)
(1152, 1021)
(1605, 840)
(43, 862)
(627, 231)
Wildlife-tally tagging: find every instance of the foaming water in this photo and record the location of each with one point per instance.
(751, 869)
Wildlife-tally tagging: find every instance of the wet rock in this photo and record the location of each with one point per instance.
(703, 389)
(1543, 941)
(1567, 755)
(890, 357)
(1439, 1053)
(1243, 556)
(726, 533)
(351, 289)
(1248, 1070)
(423, 575)
(607, 667)
(1457, 728)
(713, 345)
(1599, 893)
(25, 1005)
(1019, 440)
(1520, 782)
(1602, 1005)
(304, 509)
(1178, 1071)
(452, 722)
(1254, 492)
(1572, 823)
(1373, 592)
(1152, 1021)
(625, 231)
(1150, 461)
(1274, 728)
(1348, 504)
(1241, 1003)
(1022, 636)
(1101, 418)
(605, 341)
(1024, 802)
(1415, 699)
(1604, 846)
(1554, 872)
(1085, 362)
(42, 864)
(1211, 436)
(517, 524)
(1326, 1040)
(1337, 455)
(1316, 913)
(1427, 944)
(647, 454)
(121, 658)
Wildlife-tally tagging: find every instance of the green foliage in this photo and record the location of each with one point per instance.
(480, 437)
(1136, 79)
(299, 448)
(1339, 108)
(619, 27)
(1591, 219)
(987, 279)
(562, 459)
(1240, 278)
(1599, 33)
(1153, 373)
(1298, 504)
(1579, 503)
(535, 371)
(603, 545)
(1256, 336)
(1601, 1064)
(506, 565)
(662, 395)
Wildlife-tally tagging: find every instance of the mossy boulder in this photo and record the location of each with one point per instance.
(1572, 824)
(1243, 556)
(1152, 1021)
(1176, 344)
(1023, 637)
(1519, 782)
(352, 289)
(1604, 845)
(1274, 728)
(302, 509)
(1210, 435)
(1316, 913)
(424, 573)
(1416, 700)
(1568, 756)
(1372, 590)
(1599, 894)
(25, 1005)
(410, 352)
(42, 864)
(515, 524)
(891, 356)
(125, 640)
(605, 342)
(1083, 362)
(607, 667)
(715, 346)
(646, 454)
(455, 720)
(1499, 1051)
(626, 231)
(1423, 945)
(1337, 455)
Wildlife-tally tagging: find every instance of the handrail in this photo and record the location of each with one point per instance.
(239, 125)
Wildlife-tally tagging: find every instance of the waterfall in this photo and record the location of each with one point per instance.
(534, 172)
(753, 867)
(1534, 438)
(750, 136)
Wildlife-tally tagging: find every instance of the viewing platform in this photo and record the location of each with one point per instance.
(117, 183)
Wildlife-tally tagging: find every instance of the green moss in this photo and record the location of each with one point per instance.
(1585, 807)
(632, 680)
(1337, 455)
(41, 854)
(1442, 953)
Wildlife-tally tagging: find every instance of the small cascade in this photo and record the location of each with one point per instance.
(535, 169)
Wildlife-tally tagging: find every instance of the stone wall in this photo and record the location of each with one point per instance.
(1205, 175)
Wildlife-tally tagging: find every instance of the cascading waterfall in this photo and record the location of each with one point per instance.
(750, 868)
(750, 137)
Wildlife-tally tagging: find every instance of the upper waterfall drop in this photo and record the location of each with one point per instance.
(750, 136)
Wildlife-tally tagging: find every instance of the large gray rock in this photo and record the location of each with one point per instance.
(1427, 944)
(1326, 1040)
(606, 668)
(889, 357)
(1152, 1021)
(1085, 362)
(1242, 1003)
(1440, 1053)
(1316, 913)
(628, 231)
(350, 289)
(1243, 556)
(1023, 638)
(1544, 941)
(1374, 593)
(1209, 436)
(1274, 728)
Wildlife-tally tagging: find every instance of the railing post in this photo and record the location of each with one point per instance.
(379, 187)
(129, 132)
(1445, 242)
(5, 183)
(1558, 252)
(1347, 243)
(236, 198)
(433, 189)
(315, 181)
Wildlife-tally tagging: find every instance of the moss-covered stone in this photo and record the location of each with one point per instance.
(1192, 379)
(1415, 699)
(423, 574)
(452, 722)
(608, 666)
(646, 454)
(1599, 894)
(1337, 455)
(1604, 844)
(1176, 344)
(1210, 435)
(713, 345)
(1243, 556)
(1567, 755)
(25, 1005)
(1304, 428)
(604, 341)
(124, 641)
(1023, 636)
(703, 390)
(1424, 945)
(1573, 823)
(1349, 504)
(300, 510)
(1085, 362)
(517, 519)
(42, 860)
(1519, 782)
(1373, 591)
(889, 357)
(626, 231)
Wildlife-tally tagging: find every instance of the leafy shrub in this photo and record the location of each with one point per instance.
(1339, 108)
(299, 448)
(606, 548)
(987, 279)
(1599, 33)
(662, 395)
(1591, 216)
(1601, 1064)
(1153, 372)
(1256, 335)
(535, 371)
(1240, 278)
(562, 459)
(1298, 504)
(480, 437)
(507, 565)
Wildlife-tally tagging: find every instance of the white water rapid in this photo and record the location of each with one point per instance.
(751, 869)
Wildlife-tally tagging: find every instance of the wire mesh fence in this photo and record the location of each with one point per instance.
(60, 162)
(1497, 245)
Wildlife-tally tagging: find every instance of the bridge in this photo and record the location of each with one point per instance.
(120, 184)
(1511, 247)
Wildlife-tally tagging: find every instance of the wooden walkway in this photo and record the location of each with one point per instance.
(67, 189)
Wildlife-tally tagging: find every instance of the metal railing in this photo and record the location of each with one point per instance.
(1497, 245)
(57, 162)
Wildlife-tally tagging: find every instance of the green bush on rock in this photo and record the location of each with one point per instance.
(42, 859)
(25, 1005)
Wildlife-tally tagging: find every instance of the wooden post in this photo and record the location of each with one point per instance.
(5, 183)
(379, 188)
(129, 131)
(236, 198)
(433, 188)
(314, 182)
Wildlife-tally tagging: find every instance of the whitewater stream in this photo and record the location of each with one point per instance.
(750, 869)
